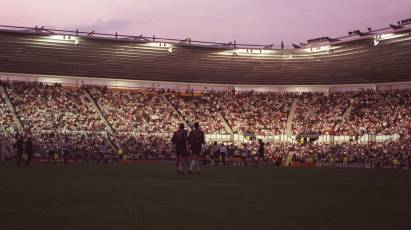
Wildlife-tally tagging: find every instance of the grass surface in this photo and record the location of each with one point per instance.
(155, 197)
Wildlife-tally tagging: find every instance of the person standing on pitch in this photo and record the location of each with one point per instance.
(223, 153)
(65, 148)
(29, 149)
(179, 139)
(261, 152)
(19, 145)
(196, 140)
(244, 154)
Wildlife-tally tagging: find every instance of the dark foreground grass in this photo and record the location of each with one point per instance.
(155, 197)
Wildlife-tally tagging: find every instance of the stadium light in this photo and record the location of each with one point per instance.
(60, 38)
(320, 48)
(376, 41)
(246, 52)
(158, 44)
(382, 37)
(161, 45)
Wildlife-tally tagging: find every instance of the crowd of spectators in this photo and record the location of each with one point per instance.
(385, 112)
(199, 108)
(6, 118)
(134, 110)
(319, 113)
(390, 154)
(82, 145)
(255, 112)
(53, 107)
(144, 146)
(373, 154)
(143, 121)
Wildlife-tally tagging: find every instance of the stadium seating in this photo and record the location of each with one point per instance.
(200, 109)
(6, 118)
(135, 111)
(53, 107)
(143, 121)
(256, 113)
(379, 113)
(319, 113)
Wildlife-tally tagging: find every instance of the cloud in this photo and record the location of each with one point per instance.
(105, 26)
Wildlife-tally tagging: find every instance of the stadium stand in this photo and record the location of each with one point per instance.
(379, 113)
(142, 120)
(200, 108)
(135, 111)
(6, 118)
(256, 113)
(52, 107)
(319, 113)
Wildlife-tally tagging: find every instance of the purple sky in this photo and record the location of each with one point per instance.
(247, 21)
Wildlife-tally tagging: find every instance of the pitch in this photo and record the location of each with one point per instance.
(154, 196)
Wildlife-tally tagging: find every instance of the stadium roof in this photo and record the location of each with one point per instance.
(374, 56)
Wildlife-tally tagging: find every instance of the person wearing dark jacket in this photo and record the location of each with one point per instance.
(261, 152)
(65, 148)
(19, 145)
(29, 149)
(179, 139)
(196, 140)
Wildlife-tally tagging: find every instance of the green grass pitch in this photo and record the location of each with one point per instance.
(140, 196)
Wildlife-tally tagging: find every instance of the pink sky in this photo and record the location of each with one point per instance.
(247, 21)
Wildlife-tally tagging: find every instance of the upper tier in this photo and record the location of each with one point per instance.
(353, 62)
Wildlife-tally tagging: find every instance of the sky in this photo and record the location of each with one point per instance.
(246, 21)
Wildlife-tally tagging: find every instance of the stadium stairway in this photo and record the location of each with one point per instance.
(227, 127)
(112, 143)
(109, 128)
(291, 116)
(180, 116)
(98, 110)
(10, 105)
(345, 116)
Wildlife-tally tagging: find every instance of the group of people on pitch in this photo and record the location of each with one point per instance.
(188, 147)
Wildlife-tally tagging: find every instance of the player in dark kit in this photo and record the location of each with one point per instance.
(29, 148)
(19, 145)
(65, 148)
(261, 152)
(179, 139)
(19, 148)
(196, 140)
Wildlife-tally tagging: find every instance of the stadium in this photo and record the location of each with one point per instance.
(92, 116)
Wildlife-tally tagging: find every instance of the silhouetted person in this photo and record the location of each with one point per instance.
(179, 139)
(19, 145)
(261, 152)
(196, 140)
(223, 153)
(244, 154)
(50, 156)
(216, 153)
(65, 148)
(29, 149)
